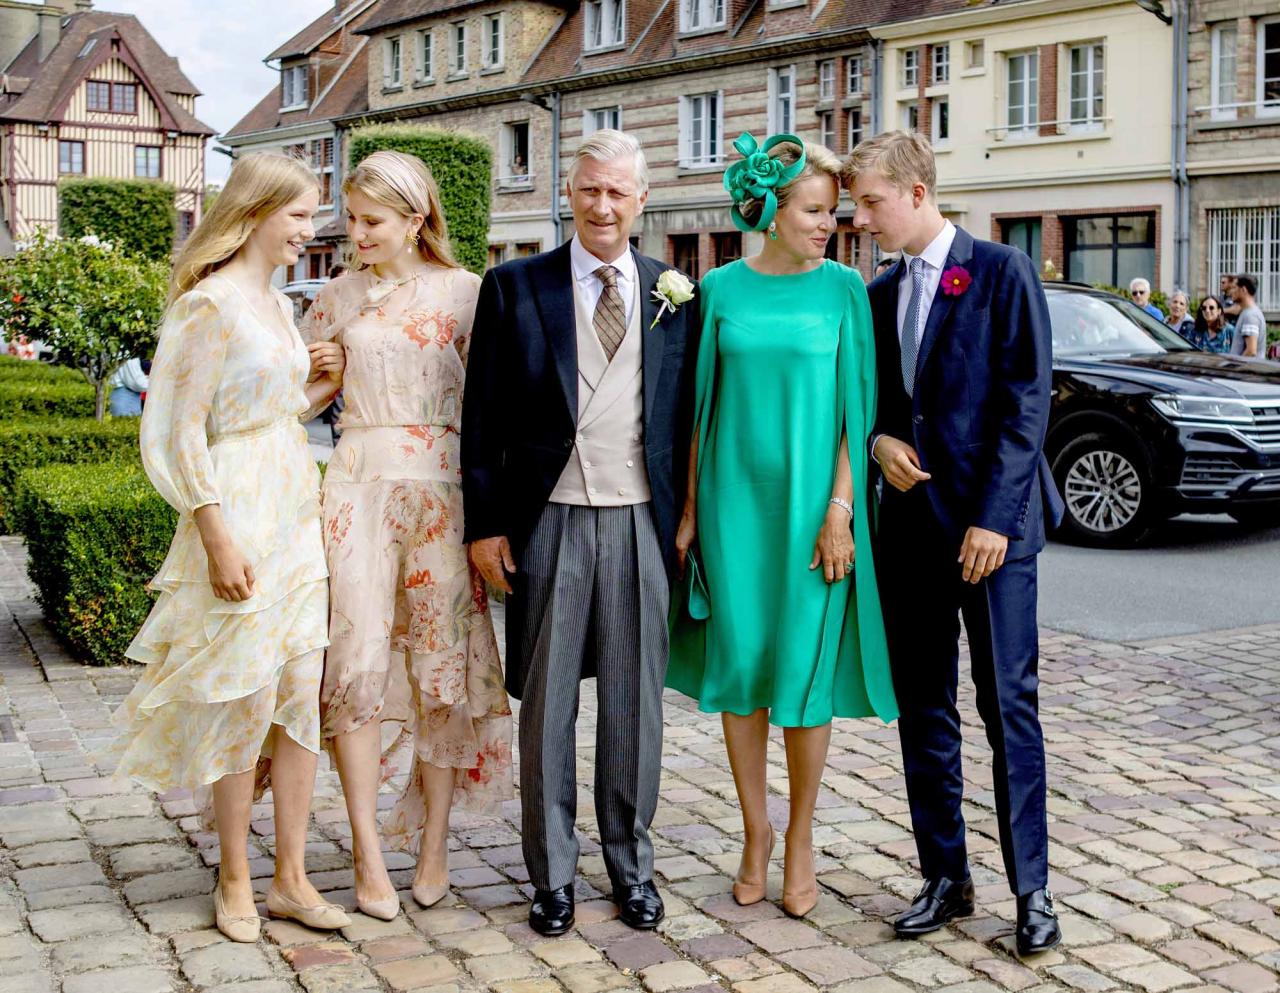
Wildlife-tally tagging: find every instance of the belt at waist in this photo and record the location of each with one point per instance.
(277, 425)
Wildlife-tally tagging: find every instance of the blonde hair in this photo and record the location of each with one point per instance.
(904, 158)
(818, 161)
(405, 184)
(260, 184)
(608, 144)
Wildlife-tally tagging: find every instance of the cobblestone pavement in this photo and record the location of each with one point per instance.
(1165, 807)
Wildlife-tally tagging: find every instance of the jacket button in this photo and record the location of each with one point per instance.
(568, 443)
(918, 419)
(630, 464)
(586, 463)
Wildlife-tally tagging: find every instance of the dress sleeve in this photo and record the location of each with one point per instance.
(708, 355)
(466, 316)
(184, 378)
(319, 323)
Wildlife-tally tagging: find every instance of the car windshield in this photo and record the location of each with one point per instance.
(1096, 324)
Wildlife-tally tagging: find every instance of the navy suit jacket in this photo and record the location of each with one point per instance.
(979, 412)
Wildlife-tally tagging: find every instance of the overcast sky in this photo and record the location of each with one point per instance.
(221, 44)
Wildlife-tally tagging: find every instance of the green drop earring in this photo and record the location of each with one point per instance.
(773, 230)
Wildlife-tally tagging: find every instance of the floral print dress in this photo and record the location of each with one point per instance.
(411, 638)
(221, 426)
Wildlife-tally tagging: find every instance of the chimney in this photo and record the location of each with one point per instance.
(50, 32)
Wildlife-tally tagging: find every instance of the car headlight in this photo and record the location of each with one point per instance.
(1222, 409)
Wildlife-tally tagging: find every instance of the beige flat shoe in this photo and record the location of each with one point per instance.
(322, 917)
(383, 910)
(243, 929)
(429, 896)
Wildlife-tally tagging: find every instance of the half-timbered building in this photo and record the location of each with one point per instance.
(91, 94)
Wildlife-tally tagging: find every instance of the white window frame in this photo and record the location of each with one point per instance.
(709, 142)
(905, 110)
(392, 62)
(940, 64)
(850, 131)
(827, 79)
(426, 56)
(604, 25)
(316, 148)
(458, 48)
(1262, 109)
(853, 77)
(489, 58)
(591, 119)
(701, 15)
(293, 87)
(1093, 50)
(827, 129)
(974, 46)
(509, 178)
(936, 136)
(782, 100)
(1030, 104)
(909, 61)
(1223, 110)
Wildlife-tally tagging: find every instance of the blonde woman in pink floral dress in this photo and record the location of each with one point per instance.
(411, 639)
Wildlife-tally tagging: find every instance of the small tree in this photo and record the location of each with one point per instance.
(96, 305)
(136, 214)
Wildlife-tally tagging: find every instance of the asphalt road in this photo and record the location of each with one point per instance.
(1192, 575)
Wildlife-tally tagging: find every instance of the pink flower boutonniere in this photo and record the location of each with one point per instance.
(956, 280)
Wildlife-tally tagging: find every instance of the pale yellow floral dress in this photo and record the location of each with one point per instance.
(221, 425)
(411, 638)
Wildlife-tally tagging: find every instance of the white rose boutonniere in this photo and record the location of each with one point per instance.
(674, 288)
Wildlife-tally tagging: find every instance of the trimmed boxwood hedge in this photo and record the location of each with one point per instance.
(26, 444)
(33, 398)
(136, 214)
(461, 164)
(97, 534)
(13, 369)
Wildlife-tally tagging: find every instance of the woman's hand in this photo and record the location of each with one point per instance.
(685, 533)
(834, 548)
(230, 573)
(328, 359)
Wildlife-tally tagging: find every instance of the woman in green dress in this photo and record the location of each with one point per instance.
(780, 619)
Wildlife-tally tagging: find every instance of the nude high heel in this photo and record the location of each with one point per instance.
(746, 893)
(244, 929)
(383, 910)
(798, 903)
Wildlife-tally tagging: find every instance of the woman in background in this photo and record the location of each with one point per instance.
(1212, 331)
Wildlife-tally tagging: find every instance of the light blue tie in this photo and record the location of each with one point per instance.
(911, 326)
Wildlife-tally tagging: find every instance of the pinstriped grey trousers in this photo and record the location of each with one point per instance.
(597, 592)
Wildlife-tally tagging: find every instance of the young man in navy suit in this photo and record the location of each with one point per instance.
(964, 361)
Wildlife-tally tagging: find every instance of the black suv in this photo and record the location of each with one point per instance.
(1144, 426)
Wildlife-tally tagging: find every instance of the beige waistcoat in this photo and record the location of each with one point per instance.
(606, 468)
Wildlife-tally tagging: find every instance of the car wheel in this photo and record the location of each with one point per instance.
(1259, 517)
(1105, 483)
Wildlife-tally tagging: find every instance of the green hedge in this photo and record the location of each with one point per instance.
(97, 534)
(461, 164)
(24, 398)
(13, 369)
(27, 444)
(136, 214)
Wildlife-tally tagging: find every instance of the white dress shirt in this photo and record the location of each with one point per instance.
(934, 257)
(587, 286)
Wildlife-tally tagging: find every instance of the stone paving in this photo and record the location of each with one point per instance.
(1165, 820)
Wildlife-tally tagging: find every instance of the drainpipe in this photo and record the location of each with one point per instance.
(877, 74)
(555, 169)
(1182, 189)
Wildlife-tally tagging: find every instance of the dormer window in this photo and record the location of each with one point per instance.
(392, 63)
(604, 24)
(701, 15)
(293, 87)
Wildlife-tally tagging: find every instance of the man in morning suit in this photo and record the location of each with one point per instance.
(964, 362)
(575, 433)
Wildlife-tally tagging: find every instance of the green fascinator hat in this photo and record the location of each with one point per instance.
(757, 176)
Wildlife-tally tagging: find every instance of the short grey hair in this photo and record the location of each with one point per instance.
(1180, 293)
(1138, 283)
(608, 144)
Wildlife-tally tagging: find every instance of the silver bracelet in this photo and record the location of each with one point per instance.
(844, 505)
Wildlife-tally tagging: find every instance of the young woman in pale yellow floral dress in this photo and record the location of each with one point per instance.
(234, 646)
(411, 640)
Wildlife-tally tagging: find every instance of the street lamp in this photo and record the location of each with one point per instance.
(1155, 7)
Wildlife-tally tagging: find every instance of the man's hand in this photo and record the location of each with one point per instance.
(492, 556)
(899, 463)
(982, 553)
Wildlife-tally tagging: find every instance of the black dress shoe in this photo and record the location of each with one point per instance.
(552, 911)
(1038, 929)
(939, 901)
(639, 906)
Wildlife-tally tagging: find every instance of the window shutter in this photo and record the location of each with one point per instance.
(685, 135)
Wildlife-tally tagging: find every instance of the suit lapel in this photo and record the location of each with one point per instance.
(943, 303)
(652, 341)
(554, 301)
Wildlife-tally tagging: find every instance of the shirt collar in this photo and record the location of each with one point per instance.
(585, 264)
(936, 252)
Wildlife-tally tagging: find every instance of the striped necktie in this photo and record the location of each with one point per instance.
(610, 319)
(911, 326)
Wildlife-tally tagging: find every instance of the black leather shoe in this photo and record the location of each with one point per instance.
(1038, 928)
(939, 901)
(639, 906)
(552, 911)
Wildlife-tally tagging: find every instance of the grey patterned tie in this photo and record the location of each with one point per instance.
(610, 318)
(911, 326)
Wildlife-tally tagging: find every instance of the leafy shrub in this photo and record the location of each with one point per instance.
(27, 371)
(31, 398)
(461, 165)
(138, 215)
(26, 444)
(97, 534)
